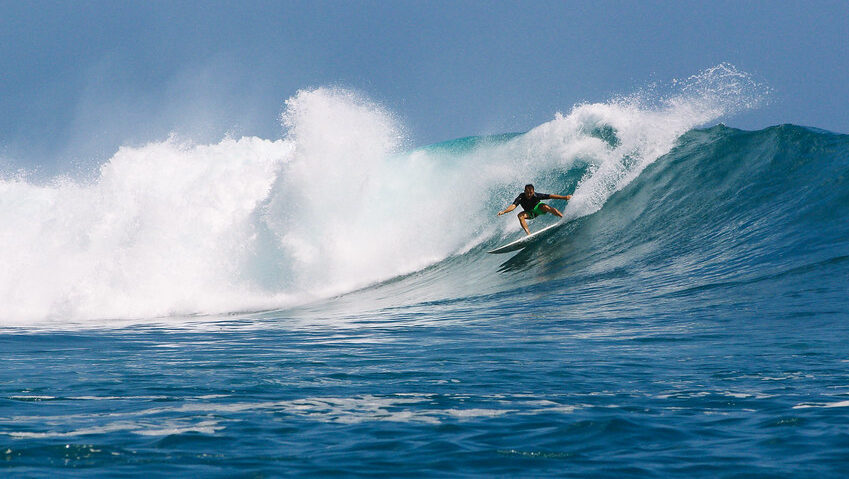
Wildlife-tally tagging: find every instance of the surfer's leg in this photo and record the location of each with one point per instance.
(524, 223)
(552, 210)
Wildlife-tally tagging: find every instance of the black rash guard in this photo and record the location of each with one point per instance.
(528, 203)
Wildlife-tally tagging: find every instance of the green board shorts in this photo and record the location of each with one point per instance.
(537, 211)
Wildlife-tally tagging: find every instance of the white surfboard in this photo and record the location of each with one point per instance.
(523, 242)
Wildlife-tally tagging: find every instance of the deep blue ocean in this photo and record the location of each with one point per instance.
(258, 309)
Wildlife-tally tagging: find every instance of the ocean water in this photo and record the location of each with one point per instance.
(323, 304)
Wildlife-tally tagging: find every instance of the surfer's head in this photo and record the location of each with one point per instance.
(529, 189)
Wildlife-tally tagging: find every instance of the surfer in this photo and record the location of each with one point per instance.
(533, 206)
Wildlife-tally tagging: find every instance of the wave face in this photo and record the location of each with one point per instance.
(725, 208)
(340, 203)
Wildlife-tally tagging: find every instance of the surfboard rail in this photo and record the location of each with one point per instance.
(523, 242)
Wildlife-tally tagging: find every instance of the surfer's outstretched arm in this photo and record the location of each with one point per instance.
(561, 197)
(509, 209)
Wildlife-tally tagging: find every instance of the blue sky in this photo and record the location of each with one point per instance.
(78, 79)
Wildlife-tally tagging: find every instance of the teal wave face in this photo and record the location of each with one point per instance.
(464, 145)
(724, 209)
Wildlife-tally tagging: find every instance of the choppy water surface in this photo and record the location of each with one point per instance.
(526, 384)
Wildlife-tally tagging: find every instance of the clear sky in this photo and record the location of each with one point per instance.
(80, 78)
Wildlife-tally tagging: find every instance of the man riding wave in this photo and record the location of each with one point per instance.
(533, 206)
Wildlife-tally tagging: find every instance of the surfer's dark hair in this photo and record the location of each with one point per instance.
(529, 186)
